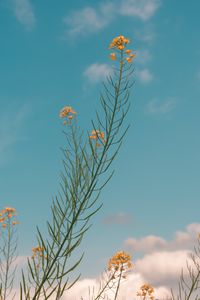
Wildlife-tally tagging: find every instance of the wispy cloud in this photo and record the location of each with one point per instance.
(97, 72)
(143, 9)
(156, 107)
(143, 57)
(24, 13)
(10, 130)
(92, 19)
(145, 76)
(119, 218)
(145, 34)
(89, 19)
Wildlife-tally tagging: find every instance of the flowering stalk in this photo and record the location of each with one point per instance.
(7, 251)
(146, 290)
(118, 267)
(85, 162)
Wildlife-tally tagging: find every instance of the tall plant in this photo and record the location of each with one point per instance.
(86, 165)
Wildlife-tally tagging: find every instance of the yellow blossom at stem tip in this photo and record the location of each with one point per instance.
(113, 56)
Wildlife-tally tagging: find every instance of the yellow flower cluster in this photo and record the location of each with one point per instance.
(120, 43)
(119, 261)
(6, 214)
(67, 112)
(38, 251)
(146, 290)
(97, 134)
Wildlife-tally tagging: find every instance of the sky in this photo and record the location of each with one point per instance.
(54, 54)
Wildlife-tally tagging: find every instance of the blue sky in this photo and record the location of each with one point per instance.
(56, 54)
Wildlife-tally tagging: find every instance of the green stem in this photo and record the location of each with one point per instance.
(120, 276)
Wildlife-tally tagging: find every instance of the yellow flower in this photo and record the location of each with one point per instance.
(38, 251)
(65, 111)
(95, 134)
(119, 42)
(128, 51)
(120, 47)
(10, 209)
(119, 261)
(15, 223)
(129, 60)
(113, 56)
(146, 289)
(132, 55)
(126, 41)
(4, 225)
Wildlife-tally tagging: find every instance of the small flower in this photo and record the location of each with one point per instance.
(128, 59)
(96, 134)
(119, 42)
(38, 251)
(15, 223)
(132, 55)
(120, 47)
(146, 290)
(113, 56)
(70, 117)
(120, 260)
(10, 209)
(65, 111)
(128, 51)
(4, 225)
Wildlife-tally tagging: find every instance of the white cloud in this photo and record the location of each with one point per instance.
(161, 107)
(145, 76)
(92, 19)
(24, 13)
(147, 244)
(89, 19)
(10, 129)
(146, 34)
(163, 267)
(128, 288)
(96, 72)
(143, 9)
(183, 240)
